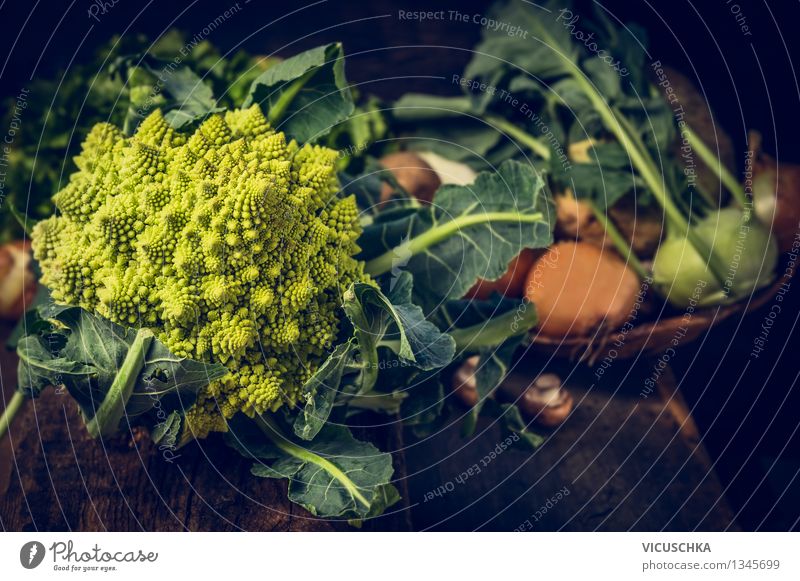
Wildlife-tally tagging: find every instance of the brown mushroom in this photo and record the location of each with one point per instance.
(464, 385)
(544, 400)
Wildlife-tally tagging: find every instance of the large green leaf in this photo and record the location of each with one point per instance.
(333, 476)
(111, 371)
(38, 368)
(179, 91)
(396, 322)
(381, 324)
(421, 342)
(193, 98)
(320, 391)
(544, 53)
(470, 232)
(307, 95)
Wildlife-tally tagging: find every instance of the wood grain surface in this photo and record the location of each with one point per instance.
(628, 462)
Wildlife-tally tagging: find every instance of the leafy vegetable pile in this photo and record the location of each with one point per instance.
(216, 265)
(600, 136)
(207, 273)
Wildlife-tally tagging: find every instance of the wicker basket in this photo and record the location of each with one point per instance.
(648, 337)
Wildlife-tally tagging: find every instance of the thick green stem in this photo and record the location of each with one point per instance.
(715, 164)
(274, 433)
(108, 416)
(671, 210)
(388, 403)
(496, 330)
(13, 406)
(437, 234)
(707, 197)
(619, 242)
(526, 139)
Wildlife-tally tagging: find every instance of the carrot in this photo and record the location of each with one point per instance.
(579, 288)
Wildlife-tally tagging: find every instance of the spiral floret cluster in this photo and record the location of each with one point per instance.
(231, 244)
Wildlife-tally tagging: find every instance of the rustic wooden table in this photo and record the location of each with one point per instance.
(621, 462)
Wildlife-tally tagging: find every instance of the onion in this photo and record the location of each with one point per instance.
(412, 173)
(449, 171)
(421, 173)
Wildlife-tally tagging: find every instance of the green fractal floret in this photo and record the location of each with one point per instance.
(230, 243)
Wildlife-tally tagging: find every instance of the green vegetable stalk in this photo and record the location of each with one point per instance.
(12, 407)
(714, 163)
(615, 122)
(532, 143)
(271, 430)
(437, 234)
(106, 420)
(495, 331)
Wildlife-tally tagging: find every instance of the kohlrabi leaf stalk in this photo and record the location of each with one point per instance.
(383, 263)
(715, 164)
(640, 158)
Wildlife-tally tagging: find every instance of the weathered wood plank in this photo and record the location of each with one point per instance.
(60, 479)
(620, 462)
(628, 463)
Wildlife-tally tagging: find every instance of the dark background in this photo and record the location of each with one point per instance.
(749, 419)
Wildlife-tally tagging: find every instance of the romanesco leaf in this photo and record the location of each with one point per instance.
(333, 476)
(470, 232)
(306, 95)
(90, 355)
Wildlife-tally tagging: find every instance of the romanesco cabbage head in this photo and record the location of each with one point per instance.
(230, 243)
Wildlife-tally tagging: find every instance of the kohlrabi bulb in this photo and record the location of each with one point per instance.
(742, 244)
